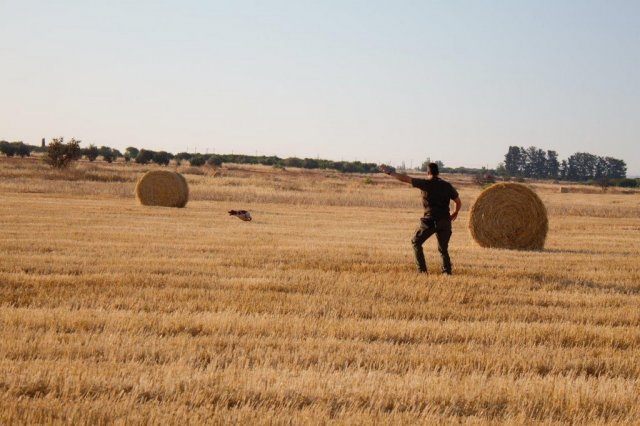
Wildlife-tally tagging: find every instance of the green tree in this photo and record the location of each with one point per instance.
(197, 160)
(91, 152)
(183, 156)
(22, 150)
(310, 163)
(562, 172)
(144, 156)
(534, 163)
(162, 158)
(60, 154)
(7, 148)
(552, 166)
(132, 151)
(107, 154)
(293, 162)
(615, 168)
(628, 183)
(514, 161)
(214, 161)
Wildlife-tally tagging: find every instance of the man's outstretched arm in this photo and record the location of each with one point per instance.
(391, 172)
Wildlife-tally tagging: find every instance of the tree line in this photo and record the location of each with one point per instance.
(16, 149)
(163, 158)
(61, 154)
(519, 162)
(536, 163)
(304, 163)
(145, 156)
(91, 153)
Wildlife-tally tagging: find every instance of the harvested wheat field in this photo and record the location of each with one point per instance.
(112, 312)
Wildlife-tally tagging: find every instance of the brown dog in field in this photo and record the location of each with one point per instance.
(241, 214)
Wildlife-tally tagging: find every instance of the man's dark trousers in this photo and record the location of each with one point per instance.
(428, 227)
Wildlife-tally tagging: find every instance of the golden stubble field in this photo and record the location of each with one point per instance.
(312, 313)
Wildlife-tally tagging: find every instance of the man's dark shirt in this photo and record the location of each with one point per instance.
(436, 195)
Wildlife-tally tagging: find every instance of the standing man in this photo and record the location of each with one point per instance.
(436, 196)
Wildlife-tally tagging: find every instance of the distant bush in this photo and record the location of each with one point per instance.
(132, 152)
(60, 154)
(484, 179)
(11, 149)
(7, 148)
(215, 161)
(628, 183)
(144, 156)
(108, 157)
(107, 154)
(293, 162)
(162, 158)
(22, 150)
(183, 156)
(91, 152)
(197, 160)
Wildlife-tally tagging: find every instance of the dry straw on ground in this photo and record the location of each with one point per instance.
(162, 188)
(302, 320)
(509, 215)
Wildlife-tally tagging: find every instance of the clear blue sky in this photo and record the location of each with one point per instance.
(381, 81)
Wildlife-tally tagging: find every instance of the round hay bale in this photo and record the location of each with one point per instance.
(564, 190)
(162, 188)
(509, 215)
(185, 191)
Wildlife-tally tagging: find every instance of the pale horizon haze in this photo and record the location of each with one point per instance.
(376, 81)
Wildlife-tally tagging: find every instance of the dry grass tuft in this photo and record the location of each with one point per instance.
(194, 171)
(509, 215)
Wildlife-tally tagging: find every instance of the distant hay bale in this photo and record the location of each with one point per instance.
(162, 188)
(509, 215)
(564, 190)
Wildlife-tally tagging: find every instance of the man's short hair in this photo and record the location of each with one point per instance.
(433, 169)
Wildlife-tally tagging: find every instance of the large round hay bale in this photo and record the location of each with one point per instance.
(162, 188)
(509, 215)
(185, 189)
